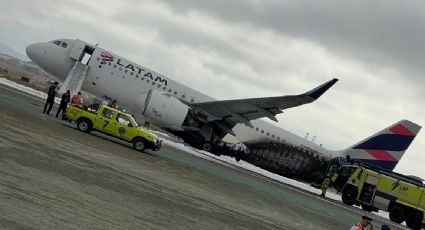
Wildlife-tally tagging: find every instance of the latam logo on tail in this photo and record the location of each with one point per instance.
(386, 148)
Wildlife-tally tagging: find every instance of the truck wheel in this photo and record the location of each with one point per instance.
(414, 220)
(207, 146)
(396, 214)
(349, 195)
(139, 144)
(84, 125)
(367, 208)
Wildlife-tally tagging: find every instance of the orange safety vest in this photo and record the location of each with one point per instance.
(359, 227)
(76, 100)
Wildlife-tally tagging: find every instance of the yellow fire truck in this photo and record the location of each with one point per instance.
(374, 189)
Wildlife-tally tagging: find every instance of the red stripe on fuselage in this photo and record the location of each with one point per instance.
(381, 155)
(401, 130)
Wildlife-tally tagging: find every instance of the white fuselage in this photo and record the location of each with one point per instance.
(128, 82)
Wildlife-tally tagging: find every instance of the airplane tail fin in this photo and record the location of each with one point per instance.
(385, 148)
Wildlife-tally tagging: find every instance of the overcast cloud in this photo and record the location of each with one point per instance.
(239, 49)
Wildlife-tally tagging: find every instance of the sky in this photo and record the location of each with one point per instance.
(233, 49)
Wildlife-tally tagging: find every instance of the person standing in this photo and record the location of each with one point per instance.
(77, 100)
(325, 184)
(66, 97)
(50, 98)
(364, 222)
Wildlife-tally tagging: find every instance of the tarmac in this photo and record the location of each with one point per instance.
(54, 177)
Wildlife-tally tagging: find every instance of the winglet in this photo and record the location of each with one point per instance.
(321, 89)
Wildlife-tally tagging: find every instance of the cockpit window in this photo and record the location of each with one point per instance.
(57, 42)
(60, 43)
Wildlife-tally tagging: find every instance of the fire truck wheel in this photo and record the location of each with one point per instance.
(414, 220)
(396, 214)
(349, 195)
(367, 208)
(207, 146)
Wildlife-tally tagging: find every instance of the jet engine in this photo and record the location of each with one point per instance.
(162, 109)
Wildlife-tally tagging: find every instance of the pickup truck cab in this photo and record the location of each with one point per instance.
(115, 123)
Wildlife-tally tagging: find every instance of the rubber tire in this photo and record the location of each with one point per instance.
(349, 195)
(207, 146)
(367, 207)
(396, 214)
(84, 125)
(414, 220)
(139, 144)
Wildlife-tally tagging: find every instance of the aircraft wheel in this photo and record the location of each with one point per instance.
(396, 214)
(414, 220)
(84, 125)
(139, 144)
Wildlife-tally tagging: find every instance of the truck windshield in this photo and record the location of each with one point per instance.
(347, 171)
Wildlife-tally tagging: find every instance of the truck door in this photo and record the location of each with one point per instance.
(103, 120)
(368, 190)
(122, 126)
(343, 174)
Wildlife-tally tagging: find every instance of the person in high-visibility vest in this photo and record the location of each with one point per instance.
(325, 184)
(362, 225)
(77, 99)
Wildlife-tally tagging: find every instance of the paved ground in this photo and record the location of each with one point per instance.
(55, 177)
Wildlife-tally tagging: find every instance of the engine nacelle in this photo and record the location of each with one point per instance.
(162, 109)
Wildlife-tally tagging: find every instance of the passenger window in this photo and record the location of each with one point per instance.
(107, 113)
(123, 119)
(64, 45)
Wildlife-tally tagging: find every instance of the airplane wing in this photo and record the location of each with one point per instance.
(232, 112)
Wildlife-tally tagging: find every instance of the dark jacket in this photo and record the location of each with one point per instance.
(52, 93)
(66, 97)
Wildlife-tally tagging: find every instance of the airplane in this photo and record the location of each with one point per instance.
(199, 119)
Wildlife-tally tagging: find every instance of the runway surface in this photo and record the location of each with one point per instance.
(55, 177)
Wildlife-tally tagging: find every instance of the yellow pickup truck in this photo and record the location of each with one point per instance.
(115, 123)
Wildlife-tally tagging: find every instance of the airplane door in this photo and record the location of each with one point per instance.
(77, 49)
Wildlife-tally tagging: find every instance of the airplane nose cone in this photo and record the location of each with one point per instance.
(35, 52)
